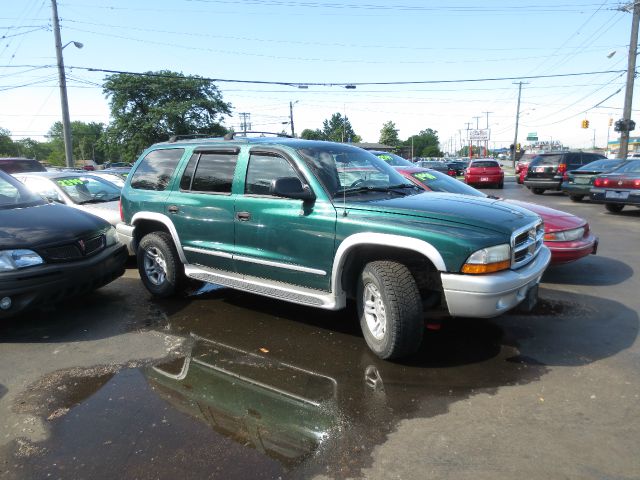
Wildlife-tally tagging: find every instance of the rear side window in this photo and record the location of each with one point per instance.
(21, 165)
(209, 172)
(155, 170)
(263, 169)
(553, 160)
(600, 165)
(484, 164)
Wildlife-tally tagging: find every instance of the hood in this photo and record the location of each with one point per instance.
(554, 220)
(47, 224)
(109, 211)
(491, 214)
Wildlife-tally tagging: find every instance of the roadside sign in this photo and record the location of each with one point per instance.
(481, 134)
(532, 136)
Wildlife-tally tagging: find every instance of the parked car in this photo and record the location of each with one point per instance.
(459, 166)
(577, 183)
(568, 237)
(122, 171)
(115, 178)
(118, 165)
(49, 252)
(484, 172)
(316, 223)
(392, 159)
(547, 170)
(82, 191)
(17, 165)
(439, 166)
(618, 188)
(522, 164)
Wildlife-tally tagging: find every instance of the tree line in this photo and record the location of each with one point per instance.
(150, 108)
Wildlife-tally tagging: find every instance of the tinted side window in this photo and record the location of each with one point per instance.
(262, 170)
(573, 160)
(155, 170)
(214, 172)
(187, 176)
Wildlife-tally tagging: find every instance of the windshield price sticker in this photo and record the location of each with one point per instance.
(70, 182)
(422, 176)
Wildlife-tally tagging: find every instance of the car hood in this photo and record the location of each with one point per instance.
(47, 224)
(109, 211)
(554, 220)
(491, 214)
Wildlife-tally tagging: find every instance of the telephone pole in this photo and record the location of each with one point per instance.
(469, 140)
(631, 73)
(293, 132)
(244, 122)
(515, 137)
(64, 101)
(486, 142)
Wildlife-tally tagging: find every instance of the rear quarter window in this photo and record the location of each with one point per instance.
(156, 169)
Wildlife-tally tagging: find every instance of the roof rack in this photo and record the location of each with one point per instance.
(231, 135)
(175, 138)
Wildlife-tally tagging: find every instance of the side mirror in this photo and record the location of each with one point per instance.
(291, 187)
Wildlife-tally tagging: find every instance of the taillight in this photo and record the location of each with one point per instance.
(562, 168)
(636, 183)
(598, 182)
(565, 177)
(120, 207)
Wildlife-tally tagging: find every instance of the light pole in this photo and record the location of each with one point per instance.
(64, 101)
(291, 104)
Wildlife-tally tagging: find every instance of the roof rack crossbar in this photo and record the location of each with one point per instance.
(175, 138)
(232, 135)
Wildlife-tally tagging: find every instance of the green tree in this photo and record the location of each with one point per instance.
(7, 145)
(149, 108)
(339, 129)
(389, 134)
(86, 138)
(30, 148)
(309, 134)
(425, 144)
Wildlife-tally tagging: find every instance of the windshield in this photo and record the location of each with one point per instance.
(600, 165)
(484, 164)
(631, 167)
(350, 170)
(86, 189)
(394, 160)
(14, 194)
(439, 182)
(546, 160)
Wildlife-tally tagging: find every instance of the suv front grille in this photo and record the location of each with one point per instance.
(526, 243)
(74, 251)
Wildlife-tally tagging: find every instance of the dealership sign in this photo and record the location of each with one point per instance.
(482, 134)
(532, 136)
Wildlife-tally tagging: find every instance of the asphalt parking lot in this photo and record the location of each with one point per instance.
(221, 384)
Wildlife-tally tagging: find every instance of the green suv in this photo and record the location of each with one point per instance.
(318, 223)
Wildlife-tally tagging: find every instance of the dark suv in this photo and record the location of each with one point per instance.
(547, 170)
(20, 165)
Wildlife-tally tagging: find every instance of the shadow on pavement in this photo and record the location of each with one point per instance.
(592, 270)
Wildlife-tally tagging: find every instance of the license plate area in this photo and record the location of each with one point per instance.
(484, 179)
(616, 195)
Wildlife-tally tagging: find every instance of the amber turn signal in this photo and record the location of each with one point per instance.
(485, 268)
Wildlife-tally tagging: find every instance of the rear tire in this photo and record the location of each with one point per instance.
(390, 309)
(501, 184)
(159, 265)
(613, 207)
(576, 198)
(537, 190)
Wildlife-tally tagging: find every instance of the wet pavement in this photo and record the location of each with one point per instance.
(222, 384)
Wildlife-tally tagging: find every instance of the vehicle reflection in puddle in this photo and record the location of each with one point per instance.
(279, 409)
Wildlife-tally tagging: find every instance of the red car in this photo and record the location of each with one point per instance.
(523, 164)
(522, 174)
(484, 172)
(567, 236)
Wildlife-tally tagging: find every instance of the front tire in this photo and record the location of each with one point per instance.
(159, 265)
(613, 207)
(390, 309)
(537, 190)
(576, 198)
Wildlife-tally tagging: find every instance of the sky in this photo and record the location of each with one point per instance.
(426, 49)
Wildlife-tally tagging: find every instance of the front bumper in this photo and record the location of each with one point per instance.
(125, 236)
(565, 252)
(485, 296)
(51, 283)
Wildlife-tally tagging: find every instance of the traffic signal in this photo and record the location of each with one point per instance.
(518, 147)
(585, 123)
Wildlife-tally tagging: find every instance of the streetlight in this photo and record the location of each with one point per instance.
(75, 44)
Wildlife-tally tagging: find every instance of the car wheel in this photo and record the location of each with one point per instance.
(390, 309)
(576, 198)
(159, 265)
(501, 184)
(537, 190)
(613, 207)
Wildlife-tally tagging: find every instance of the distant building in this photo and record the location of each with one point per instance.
(375, 146)
(614, 146)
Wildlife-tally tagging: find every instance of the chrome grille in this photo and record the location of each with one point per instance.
(526, 243)
(74, 251)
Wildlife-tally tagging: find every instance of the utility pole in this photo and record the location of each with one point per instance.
(515, 137)
(293, 132)
(64, 101)
(631, 73)
(486, 142)
(244, 123)
(469, 140)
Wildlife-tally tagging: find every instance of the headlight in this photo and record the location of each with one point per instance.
(488, 260)
(15, 259)
(565, 236)
(111, 237)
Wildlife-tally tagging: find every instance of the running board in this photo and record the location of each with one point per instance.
(267, 288)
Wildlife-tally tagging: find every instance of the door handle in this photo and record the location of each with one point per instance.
(173, 209)
(243, 216)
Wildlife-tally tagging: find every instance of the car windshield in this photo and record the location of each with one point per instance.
(439, 182)
(546, 160)
(86, 189)
(631, 167)
(14, 194)
(483, 164)
(601, 165)
(394, 160)
(343, 169)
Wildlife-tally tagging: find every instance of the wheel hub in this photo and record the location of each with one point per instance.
(374, 311)
(155, 266)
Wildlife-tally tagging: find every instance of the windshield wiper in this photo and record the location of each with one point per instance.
(93, 200)
(364, 189)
